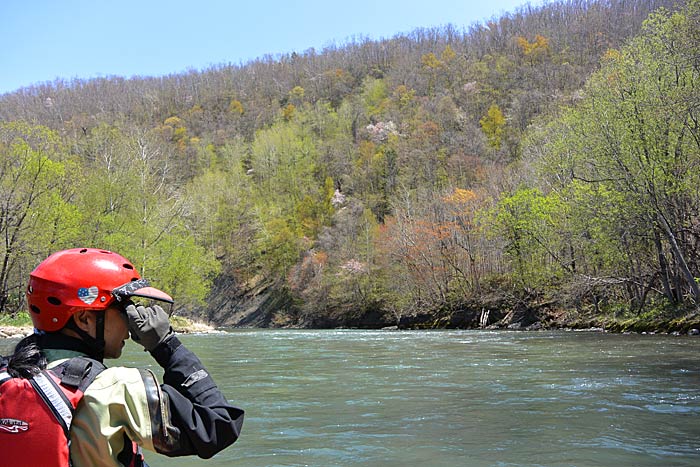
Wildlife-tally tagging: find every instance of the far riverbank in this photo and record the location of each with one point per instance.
(536, 318)
(525, 319)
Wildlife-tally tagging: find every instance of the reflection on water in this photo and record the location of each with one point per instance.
(452, 398)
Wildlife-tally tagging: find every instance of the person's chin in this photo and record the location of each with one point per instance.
(115, 353)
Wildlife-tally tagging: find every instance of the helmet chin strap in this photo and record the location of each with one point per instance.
(97, 343)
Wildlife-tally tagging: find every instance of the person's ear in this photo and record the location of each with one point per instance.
(84, 320)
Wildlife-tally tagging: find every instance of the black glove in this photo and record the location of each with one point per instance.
(148, 326)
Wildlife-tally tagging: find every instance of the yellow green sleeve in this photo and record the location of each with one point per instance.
(114, 405)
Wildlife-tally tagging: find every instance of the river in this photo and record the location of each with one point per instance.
(453, 398)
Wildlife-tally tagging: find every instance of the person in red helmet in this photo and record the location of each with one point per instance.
(83, 304)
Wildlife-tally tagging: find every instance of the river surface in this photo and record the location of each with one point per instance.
(453, 398)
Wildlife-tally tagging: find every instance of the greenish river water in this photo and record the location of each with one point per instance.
(453, 398)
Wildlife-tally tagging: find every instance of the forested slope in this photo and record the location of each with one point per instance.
(545, 160)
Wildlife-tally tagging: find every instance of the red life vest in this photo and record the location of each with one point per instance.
(36, 413)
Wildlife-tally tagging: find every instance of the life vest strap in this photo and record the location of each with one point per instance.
(55, 399)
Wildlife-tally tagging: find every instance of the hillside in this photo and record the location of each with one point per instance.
(409, 180)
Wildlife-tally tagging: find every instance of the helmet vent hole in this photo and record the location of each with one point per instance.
(127, 266)
(84, 250)
(54, 301)
(35, 309)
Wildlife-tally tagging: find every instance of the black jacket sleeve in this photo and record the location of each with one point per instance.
(193, 417)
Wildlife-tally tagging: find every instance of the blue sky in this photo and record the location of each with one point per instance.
(42, 40)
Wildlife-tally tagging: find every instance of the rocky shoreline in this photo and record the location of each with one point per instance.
(268, 305)
(190, 327)
(15, 331)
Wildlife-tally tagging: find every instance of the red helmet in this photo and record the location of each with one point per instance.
(82, 278)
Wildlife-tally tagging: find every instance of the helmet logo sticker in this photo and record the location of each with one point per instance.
(88, 295)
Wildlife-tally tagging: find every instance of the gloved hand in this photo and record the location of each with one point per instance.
(148, 326)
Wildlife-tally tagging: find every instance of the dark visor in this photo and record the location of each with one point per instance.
(140, 288)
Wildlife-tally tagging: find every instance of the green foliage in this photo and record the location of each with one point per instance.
(283, 160)
(529, 221)
(20, 319)
(631, 162)
(374, 96)
(492, 125)
(297, 94)
(182, 267)
(130, 206)
(35, 212)
(279, 246)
